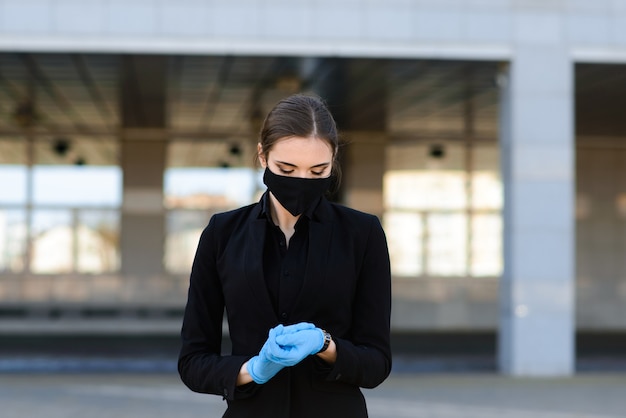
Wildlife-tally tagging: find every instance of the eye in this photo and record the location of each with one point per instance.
(319, 171)
(285, 171)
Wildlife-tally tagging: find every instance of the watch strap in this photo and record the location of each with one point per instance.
(327, 339)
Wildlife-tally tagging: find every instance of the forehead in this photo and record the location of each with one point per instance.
(301, 151)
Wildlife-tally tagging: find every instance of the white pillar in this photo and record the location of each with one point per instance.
(537, 328)
(143, 159)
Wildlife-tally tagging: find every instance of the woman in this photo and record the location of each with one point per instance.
(305, 284)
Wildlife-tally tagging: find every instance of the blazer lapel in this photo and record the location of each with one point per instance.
(253, 263)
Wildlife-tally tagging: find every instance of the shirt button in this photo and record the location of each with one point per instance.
(284, 315)
(286, 273)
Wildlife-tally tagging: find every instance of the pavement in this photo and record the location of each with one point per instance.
(135, 377)
(404, 394)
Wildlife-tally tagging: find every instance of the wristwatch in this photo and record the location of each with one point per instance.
(327, 338)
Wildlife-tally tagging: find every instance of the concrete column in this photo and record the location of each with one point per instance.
(537, 140)
(143, 152)
(364, 169)
(143, 222)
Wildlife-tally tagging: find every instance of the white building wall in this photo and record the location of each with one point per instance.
(477, 29)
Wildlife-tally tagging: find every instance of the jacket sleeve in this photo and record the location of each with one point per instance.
(200, 364)
(364, 355)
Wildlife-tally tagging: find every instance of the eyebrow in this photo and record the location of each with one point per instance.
(313, 166)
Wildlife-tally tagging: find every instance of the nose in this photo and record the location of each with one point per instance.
(302, 174)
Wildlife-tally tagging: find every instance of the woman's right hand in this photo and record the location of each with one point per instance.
(260, 367)
(303, 341)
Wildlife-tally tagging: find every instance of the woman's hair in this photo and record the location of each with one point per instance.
(304, 116)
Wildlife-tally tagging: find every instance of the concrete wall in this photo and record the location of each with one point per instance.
(488, 29)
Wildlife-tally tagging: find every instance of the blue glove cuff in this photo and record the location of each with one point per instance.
(317, 349)
(251, 364)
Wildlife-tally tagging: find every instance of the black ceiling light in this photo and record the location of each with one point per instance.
(235, 150)
(437, 151)
(61, 146)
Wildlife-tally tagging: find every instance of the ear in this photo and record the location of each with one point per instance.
(259, 150)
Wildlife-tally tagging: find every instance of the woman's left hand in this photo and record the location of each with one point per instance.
(295, 343)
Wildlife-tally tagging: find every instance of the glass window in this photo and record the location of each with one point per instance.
(183, 232)
(13, 171)
(486, 184)
(77, 186)
(13, 180)
(97, 238)
(12, 240)
(486, 245)
(205, 188)
(442, 209)
(52, 236)
(424, 190)
(203, 178)
(405, 236)
(77, 192)
(447, 244)
(13, 199)
(486, 190)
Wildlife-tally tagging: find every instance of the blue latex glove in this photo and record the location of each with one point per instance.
(296, 342)
(260, 367)
(289, 329)
(281, 355)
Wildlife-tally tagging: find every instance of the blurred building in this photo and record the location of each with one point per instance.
(487, 135)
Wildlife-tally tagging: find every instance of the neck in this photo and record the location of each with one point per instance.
(281, 216)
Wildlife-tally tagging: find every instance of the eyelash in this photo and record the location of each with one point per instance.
(315, 173)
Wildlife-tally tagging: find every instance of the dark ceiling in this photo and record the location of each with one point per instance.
(209, 95)
(218, 98)
(601, 100)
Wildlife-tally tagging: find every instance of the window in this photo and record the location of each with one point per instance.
(442, 209)
(12, 240)
(77, 186)
(63, 205)
(200, 180)
(13, 190)
(13, 199)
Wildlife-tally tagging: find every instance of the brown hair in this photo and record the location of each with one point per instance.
(304, 116)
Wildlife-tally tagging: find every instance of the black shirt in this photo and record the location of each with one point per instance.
(284, 266)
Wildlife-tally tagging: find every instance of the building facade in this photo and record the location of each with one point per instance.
(487, 135)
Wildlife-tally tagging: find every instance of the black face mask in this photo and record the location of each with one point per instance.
(296, 194)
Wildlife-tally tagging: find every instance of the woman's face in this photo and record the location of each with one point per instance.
(296, 156)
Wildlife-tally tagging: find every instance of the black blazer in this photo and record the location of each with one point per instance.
(346, 290)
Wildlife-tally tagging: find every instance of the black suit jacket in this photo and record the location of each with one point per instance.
(346, 290)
